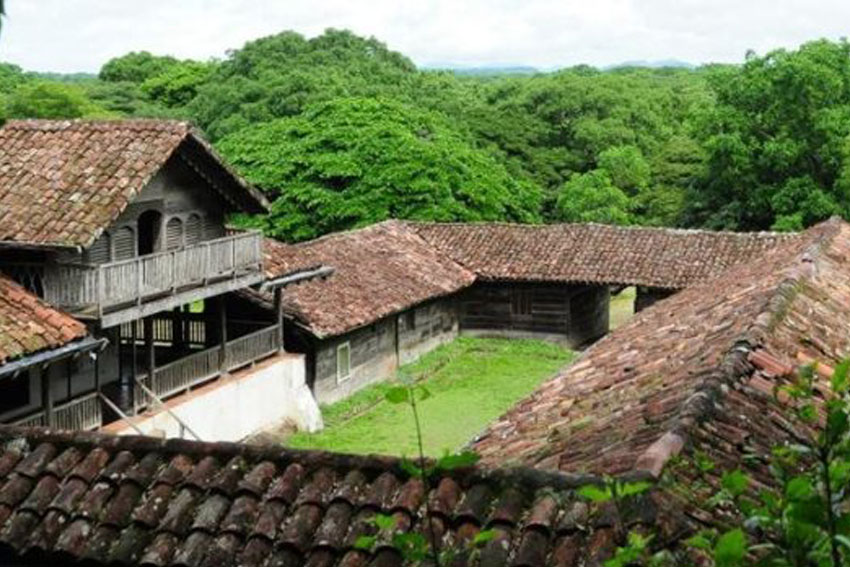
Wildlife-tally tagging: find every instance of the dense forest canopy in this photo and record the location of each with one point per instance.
(340, 131)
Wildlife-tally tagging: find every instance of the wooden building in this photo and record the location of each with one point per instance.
(127, 240)
(399, 289)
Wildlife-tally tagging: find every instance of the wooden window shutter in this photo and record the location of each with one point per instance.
(124, 243)
(194, 230)
(99, 252)
(174, 234)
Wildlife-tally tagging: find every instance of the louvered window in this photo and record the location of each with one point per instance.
(99, 252)
(194, 230)
(174, 233)
(124, 243)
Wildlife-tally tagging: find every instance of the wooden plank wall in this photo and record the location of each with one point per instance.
(577, 313)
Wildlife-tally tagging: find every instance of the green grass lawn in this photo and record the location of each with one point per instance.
(622, 307)
(472, 381)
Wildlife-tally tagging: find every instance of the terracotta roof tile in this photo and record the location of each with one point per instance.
(595, 253)
(378, 270)
(86, 172)
(391, 266)
(28, 325)
(289, 508)
(696, 370)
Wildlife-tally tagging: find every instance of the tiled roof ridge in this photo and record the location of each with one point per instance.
(331, 236)
(526, 477)
(736, 365)
(625, 228)
(158, 124)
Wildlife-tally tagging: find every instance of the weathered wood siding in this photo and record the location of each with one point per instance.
(376, 350)
(191, 211)
(425, 327)
(572, 313)
(373, 358)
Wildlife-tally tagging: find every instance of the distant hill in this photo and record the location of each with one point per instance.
(659, 64)
(63, 77)
(487, 70)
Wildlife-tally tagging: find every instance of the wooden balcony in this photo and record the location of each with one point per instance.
(187, 372)
(79, 414)
(117, 292)
(86, 412)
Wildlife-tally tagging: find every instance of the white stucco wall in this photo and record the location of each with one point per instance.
(232, 408)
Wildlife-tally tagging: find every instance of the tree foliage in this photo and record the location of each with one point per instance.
(777, 140)
(756, 146)
(355, 161)
(135, 67)
(51, 100)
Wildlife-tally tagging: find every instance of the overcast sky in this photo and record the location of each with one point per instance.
(80, 35)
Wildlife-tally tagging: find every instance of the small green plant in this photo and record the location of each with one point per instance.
(803, 519)
(633, 547)
(413, 546)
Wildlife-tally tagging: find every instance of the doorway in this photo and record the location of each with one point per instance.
(150, 224)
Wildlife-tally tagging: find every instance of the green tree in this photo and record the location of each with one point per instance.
(135, 67)
(592, 197)
(51, 100)
(776, 140)
(178, 84)
(626, 167)
(280, 75)
(352, 162)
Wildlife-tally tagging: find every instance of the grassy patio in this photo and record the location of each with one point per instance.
(472, 381)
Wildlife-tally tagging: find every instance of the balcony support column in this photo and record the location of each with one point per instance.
(278, 309)
(178, 327)
(222, 329)
(150, 351)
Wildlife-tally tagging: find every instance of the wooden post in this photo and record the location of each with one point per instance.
(177, 329)
(47, 397)
(97, 371)
(134, 361)
(150, 351)
(222, 328)
(278, 309)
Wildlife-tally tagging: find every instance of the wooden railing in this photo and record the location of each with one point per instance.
(194, 329)
(200, 367)
(78, 414)
(252, 347)
(115, 283)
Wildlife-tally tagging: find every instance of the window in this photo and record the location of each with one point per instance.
(194, 229)
(124, 243)
(343, 362)
(99, 252)
(174, 234)
(410, 320)
(521, 302)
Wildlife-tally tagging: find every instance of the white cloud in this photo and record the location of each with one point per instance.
(80, 35)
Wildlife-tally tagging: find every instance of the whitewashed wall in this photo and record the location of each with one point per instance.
(233, 408)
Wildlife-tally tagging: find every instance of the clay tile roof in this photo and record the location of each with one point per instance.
(84, 174)
(28, 325)
(697, 370)
(595, 253)
(378, 270)
(134, 500)
(391, 266)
